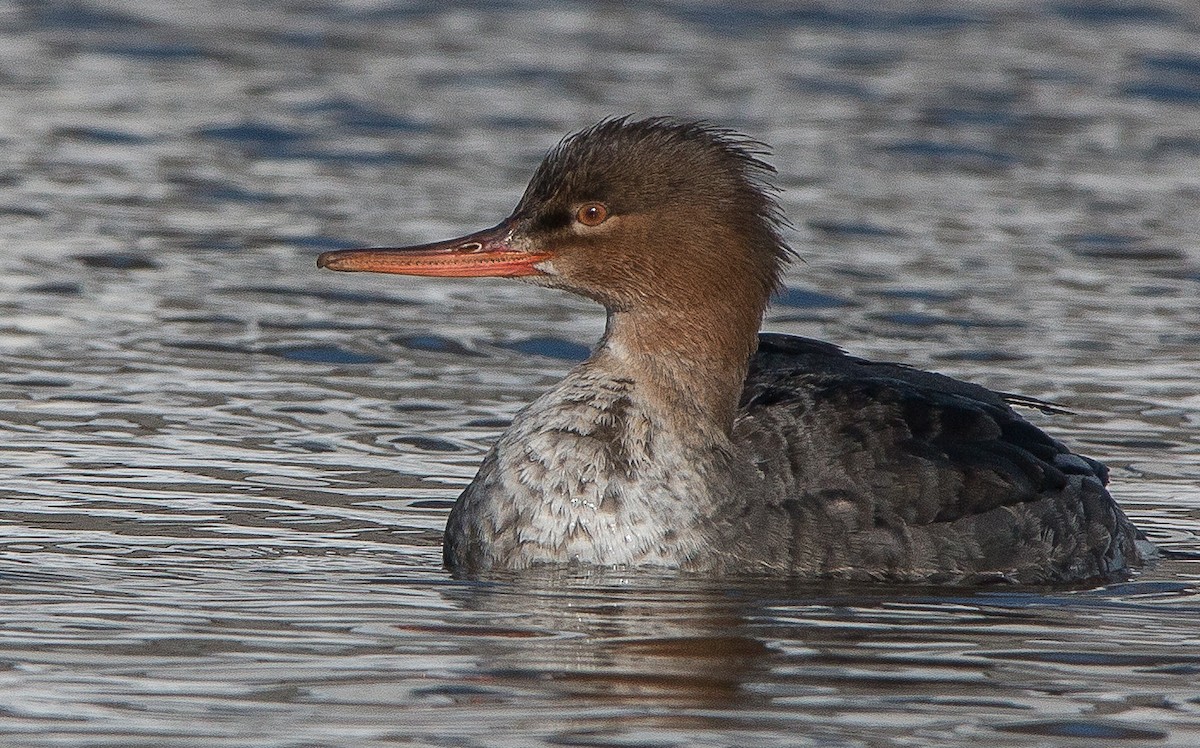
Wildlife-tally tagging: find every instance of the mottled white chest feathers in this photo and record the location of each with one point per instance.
(587, 475)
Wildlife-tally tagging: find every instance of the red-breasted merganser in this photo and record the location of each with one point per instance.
(688, 440)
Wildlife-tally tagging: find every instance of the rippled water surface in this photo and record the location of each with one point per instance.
(225, 473)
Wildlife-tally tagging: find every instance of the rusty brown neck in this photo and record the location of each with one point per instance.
(688, 361)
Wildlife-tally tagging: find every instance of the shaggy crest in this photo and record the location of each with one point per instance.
(650, 165)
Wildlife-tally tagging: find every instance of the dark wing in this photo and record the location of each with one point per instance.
(921, 447)
(783, 352)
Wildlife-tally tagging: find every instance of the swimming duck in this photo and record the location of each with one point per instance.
(689, 440)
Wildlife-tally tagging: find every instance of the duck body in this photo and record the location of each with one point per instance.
(836, 468)
(690, 441)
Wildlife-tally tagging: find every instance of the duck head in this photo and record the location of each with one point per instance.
(632, 213)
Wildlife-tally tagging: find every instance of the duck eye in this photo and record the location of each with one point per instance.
(592, 214)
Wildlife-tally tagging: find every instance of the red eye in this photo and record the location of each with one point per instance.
(592, 214)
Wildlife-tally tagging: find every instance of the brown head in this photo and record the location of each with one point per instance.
(672, 226)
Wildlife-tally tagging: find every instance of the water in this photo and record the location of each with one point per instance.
(225, 473)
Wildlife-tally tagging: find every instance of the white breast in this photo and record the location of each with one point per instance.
(586, 475)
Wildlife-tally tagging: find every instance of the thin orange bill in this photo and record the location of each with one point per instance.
(485, 253)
